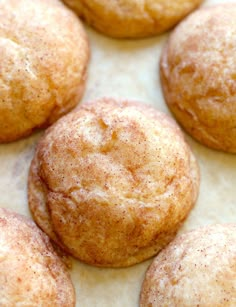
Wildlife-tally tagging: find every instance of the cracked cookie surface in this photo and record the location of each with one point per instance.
(32, 274)
(196, 269)
(44, 55)
(132, 18)
(112, 182)
(198, 76)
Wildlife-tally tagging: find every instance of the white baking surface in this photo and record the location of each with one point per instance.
(127, 69)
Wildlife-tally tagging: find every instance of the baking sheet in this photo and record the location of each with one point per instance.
(129, 69)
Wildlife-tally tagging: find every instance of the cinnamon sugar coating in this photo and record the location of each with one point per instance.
(44, 55)
(112, 182)
(198, 76)
(32, 274)
(132, 18)
(196, 269)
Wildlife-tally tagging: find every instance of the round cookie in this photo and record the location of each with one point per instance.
(32, 274)
(44, 54)
(198, 76)
(132, 18)
(196, 269)
(112, 182)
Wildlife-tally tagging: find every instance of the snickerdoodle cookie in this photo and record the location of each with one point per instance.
(112, 182)
(44, 54)
(32, 274)
(132, 18)
(196, 269)
(198, 73)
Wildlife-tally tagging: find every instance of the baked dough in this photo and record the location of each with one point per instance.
(112, 182)
(198, 71)
(132, 18)
(196, 269)
(32, 274)
(44, 54)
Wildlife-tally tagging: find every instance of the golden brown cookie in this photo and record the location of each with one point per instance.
(196, 269)
(32, 274)
(112, 182)
(198, 70)
(132, 18)
(44, 54)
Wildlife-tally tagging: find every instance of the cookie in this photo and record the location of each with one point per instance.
(44, 55)
(196, 269)
(132, 18)
(32, 274)
(112, 182)
(198, 76)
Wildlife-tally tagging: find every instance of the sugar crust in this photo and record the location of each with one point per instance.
(112, 182)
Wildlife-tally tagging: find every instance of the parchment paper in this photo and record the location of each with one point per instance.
(127, 69)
